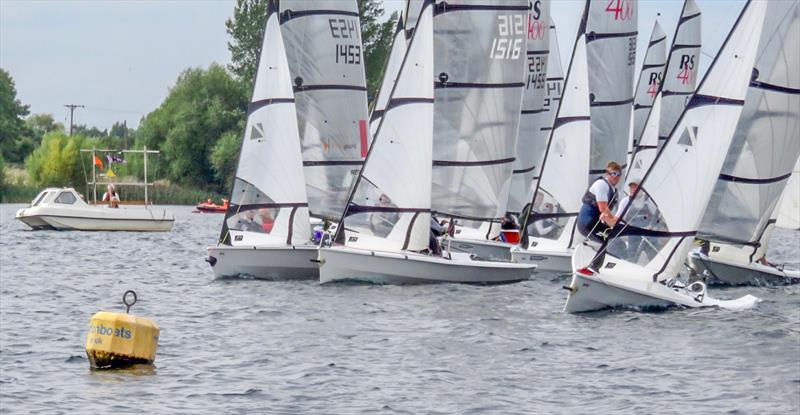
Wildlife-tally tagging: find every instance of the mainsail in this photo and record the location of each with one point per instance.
(479, 69)
(788, 215)
(552, 212)
(655, 59)
(680, 78)
(411, 12)
(390, 71)
(647, 147)
(611, 30)
(389, 206)
(268, 203)
(532, 141)
(326, 59)
(765, 147)
(660, 223)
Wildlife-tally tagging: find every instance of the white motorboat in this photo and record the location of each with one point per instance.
(549, 219)
(640, 265)
(741, 215)
(64, 209)
(385, 232)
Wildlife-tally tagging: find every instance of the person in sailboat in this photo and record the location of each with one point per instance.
(247, 222)
(633, 185)
(437, 231)
(382, 222)
(595, 218)
(111, 196)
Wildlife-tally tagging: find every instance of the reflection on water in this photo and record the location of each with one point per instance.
(249, 346)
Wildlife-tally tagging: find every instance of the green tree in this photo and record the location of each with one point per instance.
(225, 155)
(41, 124)
(377, 38)
(2, 175)
(201, 107)
(57, 161)
(13, 132)
(246, 28)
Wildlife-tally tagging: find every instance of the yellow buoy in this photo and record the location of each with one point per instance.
(118, 340)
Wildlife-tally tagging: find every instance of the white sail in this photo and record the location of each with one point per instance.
(789, 207)
(680, 78)
(268, 205)
(655, 59)
(532, 141)
(647, 148)
(662, 220)
(480, 58)
(611, 28)
(326, 59)
(765, 147)
(390, 203)
(557, 200)
(411, 12)
(390, 71)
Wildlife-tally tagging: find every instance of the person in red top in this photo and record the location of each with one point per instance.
(267, 222)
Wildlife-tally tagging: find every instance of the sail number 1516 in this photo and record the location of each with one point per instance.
(511, 35)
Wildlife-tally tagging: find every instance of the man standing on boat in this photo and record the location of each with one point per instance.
(595, 217)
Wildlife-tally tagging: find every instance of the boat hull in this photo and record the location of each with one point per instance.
(547, 261)
(348, 264)
(87, 223)
(594, 292)
(718, 272)
(482, 249)
(277, 263)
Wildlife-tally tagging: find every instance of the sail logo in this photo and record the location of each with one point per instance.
(686, 73)
(654, 82)
(257, 131)
(622, 9)
(536, 27)
(511, 33)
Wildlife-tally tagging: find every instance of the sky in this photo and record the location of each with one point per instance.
(120, 57)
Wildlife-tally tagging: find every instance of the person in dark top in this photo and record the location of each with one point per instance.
(595, 217)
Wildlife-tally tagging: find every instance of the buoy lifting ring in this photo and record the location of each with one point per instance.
(125, 300)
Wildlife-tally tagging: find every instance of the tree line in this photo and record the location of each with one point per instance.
(198, 127)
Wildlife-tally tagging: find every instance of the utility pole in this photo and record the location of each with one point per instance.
(125, 134)
(71, 111)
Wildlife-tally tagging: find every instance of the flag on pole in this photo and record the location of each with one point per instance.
(110, 173)
(98, 162)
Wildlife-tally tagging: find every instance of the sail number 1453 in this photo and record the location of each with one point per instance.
(344, 30)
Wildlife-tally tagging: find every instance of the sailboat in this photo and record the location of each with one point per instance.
(640, 266)
(266, 230)
(680, 80)
(385, 229)
(480, 71)
(536, 113)
(549, 220)
(741, 215)
(611, 29)
(650, 77)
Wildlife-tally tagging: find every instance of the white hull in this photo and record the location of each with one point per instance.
(482, 249)
(597, 292)
(719, 272)
(548, 261)
(147, 220)
(263, 262)
(348, 264)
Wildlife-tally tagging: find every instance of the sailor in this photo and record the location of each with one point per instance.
(111, 196)
(437, 231)
(595, 217)
(633, 185)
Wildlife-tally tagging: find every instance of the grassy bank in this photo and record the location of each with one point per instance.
(17, 189)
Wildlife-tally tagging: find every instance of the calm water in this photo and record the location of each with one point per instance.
(240, 346)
